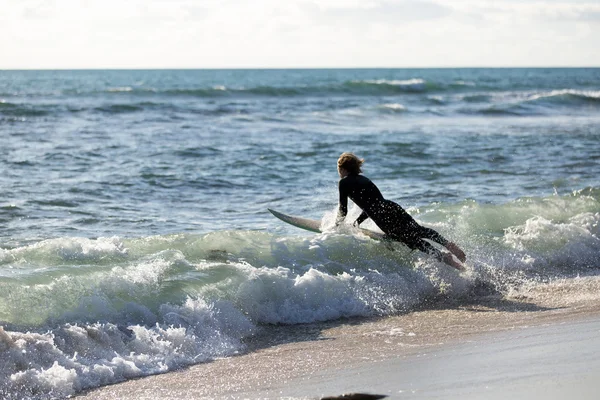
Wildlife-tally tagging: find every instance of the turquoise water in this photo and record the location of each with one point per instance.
(134, 228)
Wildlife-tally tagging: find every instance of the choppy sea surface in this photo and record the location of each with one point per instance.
(134, 232)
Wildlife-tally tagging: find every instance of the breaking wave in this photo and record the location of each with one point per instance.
(78, 313)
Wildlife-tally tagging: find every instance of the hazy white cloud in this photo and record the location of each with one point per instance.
(392, 11)
(303, 33)
(532, 10)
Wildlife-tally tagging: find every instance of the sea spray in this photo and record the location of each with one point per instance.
(73, 357)
(104, 310)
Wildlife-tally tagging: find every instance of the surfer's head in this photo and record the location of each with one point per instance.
(350, 163)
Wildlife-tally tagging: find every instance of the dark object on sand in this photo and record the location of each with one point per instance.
(355, 396)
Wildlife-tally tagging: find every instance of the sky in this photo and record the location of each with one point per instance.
(65, 34)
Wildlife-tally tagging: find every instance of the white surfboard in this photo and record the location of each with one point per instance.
(314, 225)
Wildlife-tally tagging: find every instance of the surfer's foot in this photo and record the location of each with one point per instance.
(448, 259)
(454, 249)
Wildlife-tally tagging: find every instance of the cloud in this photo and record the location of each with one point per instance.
(390, 11)
(548, 10)
(241, 33)
(37, 9)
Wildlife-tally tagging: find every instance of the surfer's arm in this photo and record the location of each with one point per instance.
(343, 206)
(361, 218)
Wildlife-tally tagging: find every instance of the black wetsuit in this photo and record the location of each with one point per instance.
(390, 217)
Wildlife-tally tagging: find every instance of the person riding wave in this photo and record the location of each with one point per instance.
(389, 216)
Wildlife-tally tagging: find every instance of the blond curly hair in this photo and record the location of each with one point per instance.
(350, 163)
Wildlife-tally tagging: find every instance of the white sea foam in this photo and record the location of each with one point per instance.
(591, 94)
(65, 249)
(407, 82)
(120, 89)
(74, 357)
(158, 311)
(574, 243)
(415, 84)
(105, 310)
(395, 107)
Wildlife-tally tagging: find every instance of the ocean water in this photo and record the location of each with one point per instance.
(134, 232)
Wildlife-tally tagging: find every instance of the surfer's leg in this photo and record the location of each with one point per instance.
(406, 230)
(454, 249)
(400, 226)
(426, 247)
(448, 259)
(433, 235)
(444, 257)
(412, 239)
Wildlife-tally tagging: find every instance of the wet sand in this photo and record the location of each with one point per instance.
(541, 344)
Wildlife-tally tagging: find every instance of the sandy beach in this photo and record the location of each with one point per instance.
(539, 344)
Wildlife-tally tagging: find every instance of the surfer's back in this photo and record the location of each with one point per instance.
(361, 191)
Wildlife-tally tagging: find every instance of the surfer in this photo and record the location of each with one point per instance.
(390, 217)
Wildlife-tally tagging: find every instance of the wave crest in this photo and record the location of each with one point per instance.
(109, 309)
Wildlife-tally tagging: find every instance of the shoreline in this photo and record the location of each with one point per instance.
(290, 361)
